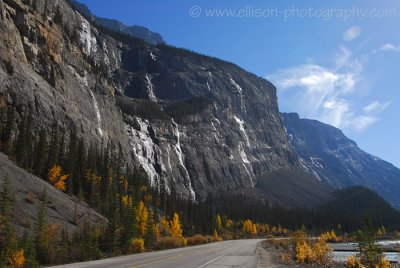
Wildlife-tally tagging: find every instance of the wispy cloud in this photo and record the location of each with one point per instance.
(376, 107)
(327, 93)
(389, 47)
(351, 33)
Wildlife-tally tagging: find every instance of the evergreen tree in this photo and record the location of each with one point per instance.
(7, 235)
(8, 128)
(53, 158)
(20, 144)
(40, 152)
(28, 245)
(41, 239)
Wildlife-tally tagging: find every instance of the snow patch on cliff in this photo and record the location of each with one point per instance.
(145, 150)
(150, 89)
(239, 90)
(153, 57)
(243, 154)
(181, 158)
(241, 127)
(88, 41)
(97, 112)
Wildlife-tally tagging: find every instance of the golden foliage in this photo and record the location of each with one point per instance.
(136, 245)
(164, 226)
(248, 227)
(17, 259)
(127, 201)
(228, 224)
(353, 262)
(197, 240)
(142, 215)
(56, 178)
(216, 236)
(304, 252)
(218, 223)
(322, 252)
(175, 227)
(254, 230)
(124, 183)
(171, 242)
(384, 263)
(330, 236)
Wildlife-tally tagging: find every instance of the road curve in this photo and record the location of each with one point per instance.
(234, 253)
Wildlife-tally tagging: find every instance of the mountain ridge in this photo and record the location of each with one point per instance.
(134, 30)
(335, 159)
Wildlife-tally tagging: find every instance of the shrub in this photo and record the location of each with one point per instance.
(322, 252)
(170, 242)
(278, 244)
(353, 262)
(298, 237)
(197, 240)
(331, 237)
(304, 253)
(17, 259)
(136, 245)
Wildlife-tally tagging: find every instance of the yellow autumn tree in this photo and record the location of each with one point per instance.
(304, 252)
(56, 178)
(141, 217)
(254, 230)
(322, 252)
(164, 226)
(247, 227)
(127, 201)
(175, 227)
(17, 259)
(218, 223)
(229, 224)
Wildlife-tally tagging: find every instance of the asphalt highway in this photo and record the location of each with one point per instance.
(235, 253)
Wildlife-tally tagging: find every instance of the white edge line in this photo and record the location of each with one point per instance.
(213, 260)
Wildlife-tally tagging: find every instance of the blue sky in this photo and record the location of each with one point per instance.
(336, 62)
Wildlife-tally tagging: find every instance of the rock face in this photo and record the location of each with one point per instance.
(328, 154)
(141, 32)
(61, 208)
(199, 124)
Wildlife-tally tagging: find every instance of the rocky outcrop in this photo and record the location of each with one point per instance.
(61, 209)
(203, 125)
(329, 155)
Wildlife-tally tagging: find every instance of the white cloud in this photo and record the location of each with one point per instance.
(351, 33)
(389, 47)
(376, 107)
(327, 94)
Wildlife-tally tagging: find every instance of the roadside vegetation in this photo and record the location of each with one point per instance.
(301, 248)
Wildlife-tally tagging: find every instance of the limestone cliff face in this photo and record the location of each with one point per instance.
(77, 75)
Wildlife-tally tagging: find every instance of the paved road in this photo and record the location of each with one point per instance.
(236, 253)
